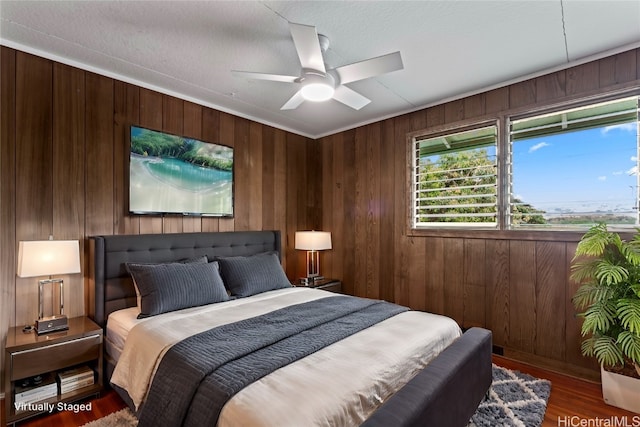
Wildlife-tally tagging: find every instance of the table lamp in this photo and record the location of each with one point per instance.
(313, 242)
(48, 258)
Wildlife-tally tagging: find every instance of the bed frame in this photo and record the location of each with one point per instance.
(447, 392)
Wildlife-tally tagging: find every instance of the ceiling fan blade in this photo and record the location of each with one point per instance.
(264, 76)
(350, 97)
(305, 37)
(370, 68)
(293, 102)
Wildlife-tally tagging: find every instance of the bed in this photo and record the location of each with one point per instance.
(440, 381)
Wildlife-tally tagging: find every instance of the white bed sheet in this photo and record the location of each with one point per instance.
(329, 387)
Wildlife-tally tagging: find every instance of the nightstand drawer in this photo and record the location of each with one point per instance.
(27, 363)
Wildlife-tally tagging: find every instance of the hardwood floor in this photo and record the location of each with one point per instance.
(573, 402)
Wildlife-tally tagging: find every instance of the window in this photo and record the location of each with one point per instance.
(572, 168)
(455, 179)
(562, 170)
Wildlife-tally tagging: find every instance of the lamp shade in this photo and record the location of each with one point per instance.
(313, 240)
(48, 257)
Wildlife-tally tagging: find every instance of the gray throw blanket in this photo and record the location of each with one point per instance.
(198, 375)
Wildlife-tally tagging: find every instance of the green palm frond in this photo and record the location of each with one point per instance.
(584, 269)
(604, 349)
(588, 294)
(628, 311)
(636, 289)
(631, 252)
(630, 345)
(635, 240)
(609, 273)
(594, 241)
(599, 318)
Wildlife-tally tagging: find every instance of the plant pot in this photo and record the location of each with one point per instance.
(621, 391)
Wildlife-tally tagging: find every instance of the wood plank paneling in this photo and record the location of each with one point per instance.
(583, 78)
(34, 168)
(433, 292)
(348, 152)
(522, 295)
(122, 156)
(99, 157)
(386, 217)
(256, 172)
(625, 66)
(522, 94)
(68, 171)
(497, 100)
(474, 288)
(372, 222)
(474, 106)
(551, 285)
(242, 167)
(453, 253)
(334, 191)
(401, 206)
(280, 188)
(497, 290)
(8, 178)
(551, 86)
(417, 273)
(360, 208)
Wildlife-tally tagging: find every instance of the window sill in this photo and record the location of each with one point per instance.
(535, 235)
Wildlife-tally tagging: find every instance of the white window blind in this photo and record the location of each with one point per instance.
(455, 179)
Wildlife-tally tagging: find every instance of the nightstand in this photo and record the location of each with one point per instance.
(331, 285)
(28, 355)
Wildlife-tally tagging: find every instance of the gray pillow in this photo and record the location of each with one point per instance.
(246, 276)
(170, 287)
(201, 259)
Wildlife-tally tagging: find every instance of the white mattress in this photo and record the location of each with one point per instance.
(341, 384)
(119, 324)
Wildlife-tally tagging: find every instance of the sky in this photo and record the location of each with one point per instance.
(584, 171)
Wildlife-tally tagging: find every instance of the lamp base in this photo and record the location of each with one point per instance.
(308, 281)
(53, 323)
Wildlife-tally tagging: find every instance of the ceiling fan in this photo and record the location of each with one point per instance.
(319, 84)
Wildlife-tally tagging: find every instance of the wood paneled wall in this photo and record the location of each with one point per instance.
(514, 283)
(64, 166)
(63, 161)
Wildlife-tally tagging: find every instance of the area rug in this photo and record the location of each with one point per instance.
(514, 400)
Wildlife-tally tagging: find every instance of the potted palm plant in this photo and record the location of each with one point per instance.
(608, 269)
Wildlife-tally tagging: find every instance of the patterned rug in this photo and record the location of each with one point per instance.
(515, 400)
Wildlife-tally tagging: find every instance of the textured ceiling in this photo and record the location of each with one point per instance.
(449, 48)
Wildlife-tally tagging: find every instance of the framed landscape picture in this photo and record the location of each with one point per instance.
(171, 174)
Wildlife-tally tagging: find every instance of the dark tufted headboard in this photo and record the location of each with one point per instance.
(111, 287)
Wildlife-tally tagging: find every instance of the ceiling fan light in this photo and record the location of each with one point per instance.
(317, 92)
